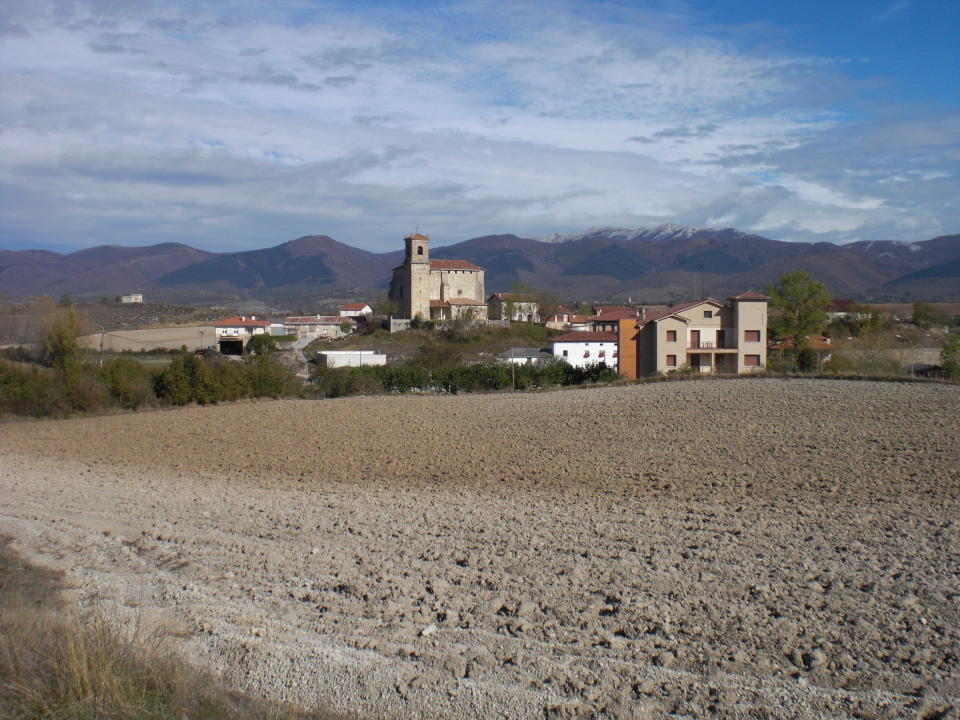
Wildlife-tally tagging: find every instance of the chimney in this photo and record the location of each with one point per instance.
(253, 317)
(243, 318)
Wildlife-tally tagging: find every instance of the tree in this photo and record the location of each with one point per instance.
(802, 302)
(950, 357)
(262, 344)
(926, 316)
(61, 341)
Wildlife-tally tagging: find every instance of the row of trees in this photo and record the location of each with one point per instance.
(64, 380)
(453, 379)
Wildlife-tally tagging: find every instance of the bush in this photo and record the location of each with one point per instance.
(128, 382)
(27, 390)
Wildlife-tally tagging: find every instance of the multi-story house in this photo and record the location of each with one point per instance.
(704, 335)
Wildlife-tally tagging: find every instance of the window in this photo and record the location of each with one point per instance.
(671, 335)
(420, 250)
(671, 360)
(565, 353)
(751, 336)
(708, 313)
(751, 361)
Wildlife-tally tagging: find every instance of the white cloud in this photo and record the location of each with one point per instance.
(239, 128)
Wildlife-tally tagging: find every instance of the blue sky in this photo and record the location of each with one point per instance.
(238, 125)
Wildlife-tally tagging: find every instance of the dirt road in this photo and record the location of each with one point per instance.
(739, 548)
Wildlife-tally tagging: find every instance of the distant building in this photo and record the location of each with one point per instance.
(350, 358)
(131, 298)
(355, 310)
(233, 333)
(582, 348)
(436, 289)
(525, 356)
(318, 326)
(519, 307)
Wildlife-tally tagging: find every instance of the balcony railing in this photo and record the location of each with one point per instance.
(712, 345)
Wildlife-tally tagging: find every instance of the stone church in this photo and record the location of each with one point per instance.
(436, 289)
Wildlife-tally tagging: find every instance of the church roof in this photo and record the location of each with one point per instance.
(453, 265)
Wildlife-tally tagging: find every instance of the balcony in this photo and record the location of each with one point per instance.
(711, 346)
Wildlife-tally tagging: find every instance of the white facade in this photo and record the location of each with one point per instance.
(131, 298)
(588, 352)
(355, 310)
(350, 358)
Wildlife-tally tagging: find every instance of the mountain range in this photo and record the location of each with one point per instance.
(647, 265)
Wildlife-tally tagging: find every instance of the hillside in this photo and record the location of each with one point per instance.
(670, 262)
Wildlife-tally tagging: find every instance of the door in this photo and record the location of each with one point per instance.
(694, 338)
(720, 334)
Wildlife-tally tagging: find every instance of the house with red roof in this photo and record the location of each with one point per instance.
(707, 336)
(233, 333)
(436, 289)
(582, 348)
(356, 310)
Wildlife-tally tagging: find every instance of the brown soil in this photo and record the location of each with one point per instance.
(743, 549)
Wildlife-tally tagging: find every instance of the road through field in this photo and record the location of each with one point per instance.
(727, 548)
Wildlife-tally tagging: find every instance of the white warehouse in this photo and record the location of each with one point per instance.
(350, 358)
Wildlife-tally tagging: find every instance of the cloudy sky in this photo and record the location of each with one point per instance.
(237, 124)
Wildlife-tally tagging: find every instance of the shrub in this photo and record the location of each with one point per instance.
(128, 382)
(27, 390)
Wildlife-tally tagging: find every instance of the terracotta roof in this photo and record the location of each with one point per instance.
(585, 336)
(354, 306)
(751, 295)
(453, 265)
(456, 301)
(242, 321)
(581, 318)
(317, 320)
(679, 309)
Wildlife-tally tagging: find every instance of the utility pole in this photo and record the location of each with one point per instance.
(101, 344)
(201, 332)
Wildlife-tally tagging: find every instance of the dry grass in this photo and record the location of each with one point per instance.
(56, 662)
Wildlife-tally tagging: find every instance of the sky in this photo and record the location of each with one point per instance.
(234, 125)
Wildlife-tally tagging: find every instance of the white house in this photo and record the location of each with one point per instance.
(234, 332)
(350, 358)
(355, 309)
(131, 298)
(582, 348)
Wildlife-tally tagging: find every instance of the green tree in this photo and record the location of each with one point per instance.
(61, 341)
(950, 357)
(262, 344)
(802, 304)
(926, 316)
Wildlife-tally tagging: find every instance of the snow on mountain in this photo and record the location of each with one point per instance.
(657, 234)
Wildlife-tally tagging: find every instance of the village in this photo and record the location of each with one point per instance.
(704, 336)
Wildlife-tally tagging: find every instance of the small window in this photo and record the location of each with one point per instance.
(671, 335)
(420, 250)
(751, 361)
(708, 313)
(751, 336)
(565, 353)
(671, 360)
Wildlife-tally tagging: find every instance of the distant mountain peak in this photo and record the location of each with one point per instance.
(668, 231)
